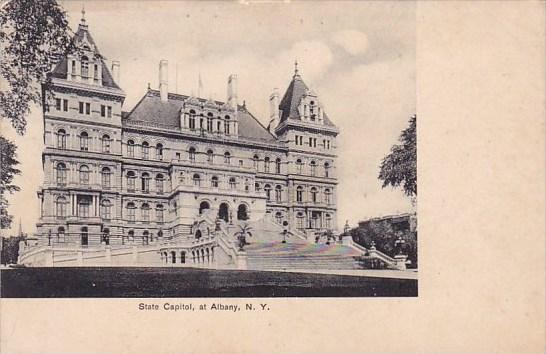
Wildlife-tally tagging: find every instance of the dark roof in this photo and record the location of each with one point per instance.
(291, 100)
(60, 70)
(151, 109)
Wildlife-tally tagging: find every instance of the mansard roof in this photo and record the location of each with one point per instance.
(152, 110)
(292, 98)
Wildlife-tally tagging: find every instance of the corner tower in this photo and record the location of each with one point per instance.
(310, 136)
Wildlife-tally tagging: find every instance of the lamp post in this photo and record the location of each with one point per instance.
(399, 243)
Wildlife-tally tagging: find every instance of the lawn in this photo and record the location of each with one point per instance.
(105, 282)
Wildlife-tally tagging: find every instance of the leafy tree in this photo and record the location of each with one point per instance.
(10, 249)
(399, 168)
(8, 170)
(34, 34)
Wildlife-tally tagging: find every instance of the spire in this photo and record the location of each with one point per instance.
(83, 14)
(296, 71)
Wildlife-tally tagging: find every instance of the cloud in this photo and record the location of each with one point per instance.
(352, 41)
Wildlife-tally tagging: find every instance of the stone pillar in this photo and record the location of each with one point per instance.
(242, 260)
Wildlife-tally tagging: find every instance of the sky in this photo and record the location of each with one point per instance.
(359, 57)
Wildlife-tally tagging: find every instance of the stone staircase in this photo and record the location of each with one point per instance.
(300, 256)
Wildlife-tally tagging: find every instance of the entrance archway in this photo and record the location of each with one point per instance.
(242, 213)
(198, 234)
(223, 212)
(203, 206)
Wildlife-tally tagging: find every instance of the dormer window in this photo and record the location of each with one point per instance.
(226, 125)
(73, 67)
(312, 113)
(192, 119)
(96, 72)
(85, 67)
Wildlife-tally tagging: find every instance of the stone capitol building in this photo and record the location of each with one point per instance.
(172, 179)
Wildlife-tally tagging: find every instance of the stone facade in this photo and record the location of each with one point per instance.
(118, 177)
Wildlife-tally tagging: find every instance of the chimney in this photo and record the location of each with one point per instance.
(163, 80)
(232, 91)
(274, 111)
(115, 71)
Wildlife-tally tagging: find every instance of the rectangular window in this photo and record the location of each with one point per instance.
(131, 214)
(96, 72)
(65, 105)
(109, 111)
(58, 104)
(81, 107)
(159, 214)
(240, 163)
(131, 184)
(178, 156)
(102, 110)
(310, 141)
(87, 108)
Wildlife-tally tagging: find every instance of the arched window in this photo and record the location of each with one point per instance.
(196, 179)
(278, 165)
(314, 194)
(278, 217)
(105, 143)
(227, 124)
(232, 183)
(130, 148)
(145, 212)
(131, 178)
(131, 208)
(209, 122)
(84, 175)
(192, 119)
(278, 193)
(60, 207)
(61, 139)
(210, 156)
(227, 158)
(106, 209)
(257, 187)
(85, 67)
(204, 205)
(255, 160)
(313, 165)
(326, 169)
(267, 189)
(191, 154)
(159, 183)
(145, 182)
(299, 166)
(145, 237)
(299, 194)
(266, 164)
(181, 177)
(84, 204)
(327, 196)
(145, 150)
(214, 182)
(159, 151)
(312, 111)
(106, 177)
(159, 213)
(300, 220)
(84, 141)
(61, 174)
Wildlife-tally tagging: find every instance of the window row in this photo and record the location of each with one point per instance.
(200, 122)
(313, 168)
(268, 191)
(84, 141)
(314, 195)
(144, 182)
(312, 142)
(145, 212)
(197, 180)
(144, 150)
(313, 221)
